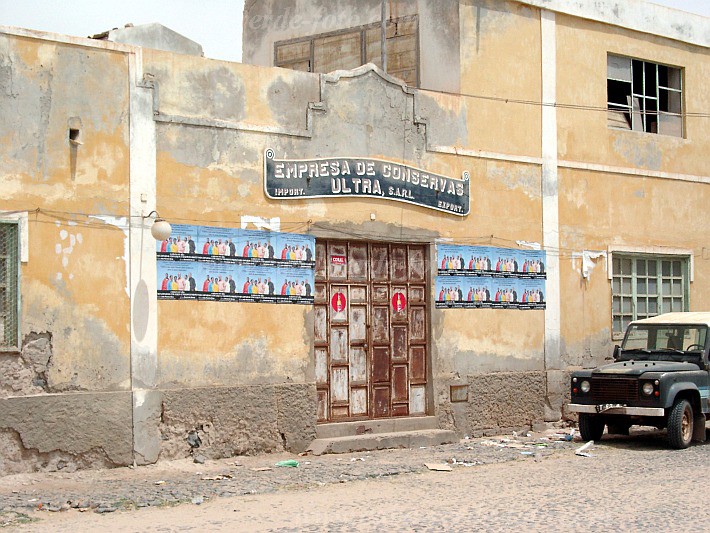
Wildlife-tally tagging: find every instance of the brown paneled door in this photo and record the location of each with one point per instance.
(370, 330)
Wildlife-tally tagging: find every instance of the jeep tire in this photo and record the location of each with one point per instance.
(591, 427)
(680, 424)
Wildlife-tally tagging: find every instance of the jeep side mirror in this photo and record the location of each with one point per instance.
(617, 352)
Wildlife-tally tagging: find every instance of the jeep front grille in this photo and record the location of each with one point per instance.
(614, 390)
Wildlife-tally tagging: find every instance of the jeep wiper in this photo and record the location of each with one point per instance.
(644, 350)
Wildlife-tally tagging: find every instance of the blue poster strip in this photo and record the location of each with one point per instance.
(487, 292)
(201, 280)
(461, 260)
(237, 246)
(208, 263)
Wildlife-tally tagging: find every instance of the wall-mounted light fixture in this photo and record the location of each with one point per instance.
(161, 229)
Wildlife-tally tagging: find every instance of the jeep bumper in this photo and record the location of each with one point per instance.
(616, 410)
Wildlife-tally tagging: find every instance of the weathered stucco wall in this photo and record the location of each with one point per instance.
(500, 68)
(74, 283)
(502, 401)
(74, 316)
(65, 432)
(584, 135)
(224, 168)
(223, 422)
(603, 210)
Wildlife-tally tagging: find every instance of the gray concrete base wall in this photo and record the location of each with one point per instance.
(243, 420)
(500, 401)
(67, 432)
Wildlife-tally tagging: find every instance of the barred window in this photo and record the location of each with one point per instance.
(9, 284)
(645, 286)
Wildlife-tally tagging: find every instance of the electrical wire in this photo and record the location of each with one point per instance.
(96, 221)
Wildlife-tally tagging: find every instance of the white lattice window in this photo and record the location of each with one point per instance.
(9, 285)
(645, 286)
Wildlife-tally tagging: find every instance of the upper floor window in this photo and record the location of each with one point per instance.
(9, 285)
(644, 96)
(350, 48)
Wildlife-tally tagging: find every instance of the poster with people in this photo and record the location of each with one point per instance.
(504, 292)
(178, 280)
(451, 259)
(215, 242)
(479, 292)
(532, 264)
(181, 244)
(450, 291)
(227, 282)
(532, 293)
(472, 277)
(255, 247)
(215, 280)
(295, 250)
(293, 286)
(238, 246)
(235, 265)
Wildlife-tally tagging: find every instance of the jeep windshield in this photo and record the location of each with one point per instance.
(662, 342)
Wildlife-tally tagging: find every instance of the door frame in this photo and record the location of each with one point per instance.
(428, 251)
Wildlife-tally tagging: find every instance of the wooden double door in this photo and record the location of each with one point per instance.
(371, 338)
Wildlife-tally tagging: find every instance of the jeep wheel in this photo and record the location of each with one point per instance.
(680, 424)
(590, 427)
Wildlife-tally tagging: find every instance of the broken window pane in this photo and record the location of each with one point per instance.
(644, 96)
(618, 68)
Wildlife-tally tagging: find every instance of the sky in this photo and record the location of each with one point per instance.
(215, 24)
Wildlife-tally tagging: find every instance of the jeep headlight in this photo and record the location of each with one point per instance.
(647, 388)
(585, 386)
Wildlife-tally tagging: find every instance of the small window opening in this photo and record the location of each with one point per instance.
(75, 136)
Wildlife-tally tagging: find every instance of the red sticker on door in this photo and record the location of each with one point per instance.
(338, 302)
(399, 302)
(337, 259)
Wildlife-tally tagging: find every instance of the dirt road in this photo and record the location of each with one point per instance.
(628, 484)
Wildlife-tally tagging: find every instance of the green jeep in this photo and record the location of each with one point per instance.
(660, 377)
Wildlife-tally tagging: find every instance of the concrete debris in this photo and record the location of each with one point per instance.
(198, 500)
(582, 450)
(199, 459)
(219, 477)
(438, 467)
(193, 439)
(454, 461)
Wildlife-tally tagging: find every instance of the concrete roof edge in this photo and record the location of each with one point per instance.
(67, 39)
(638, 15)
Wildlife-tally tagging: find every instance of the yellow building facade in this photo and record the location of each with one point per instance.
(521, 107)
